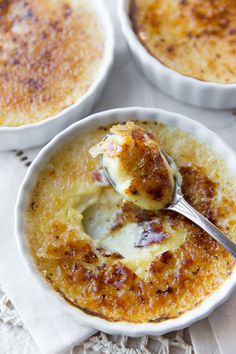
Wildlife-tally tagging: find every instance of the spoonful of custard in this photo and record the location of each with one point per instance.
(147, 176)
(136, 167)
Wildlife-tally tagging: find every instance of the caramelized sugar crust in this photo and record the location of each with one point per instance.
(50, 53)
(141, 158)
(194, 37)
(97, 281)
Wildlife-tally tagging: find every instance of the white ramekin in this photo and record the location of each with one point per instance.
(40, 133)
(81, 127)
(184, 88)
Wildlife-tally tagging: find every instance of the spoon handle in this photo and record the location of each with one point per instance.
(184, 208)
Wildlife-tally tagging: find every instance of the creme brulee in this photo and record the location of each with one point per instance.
(193, 37)
(50, 54)
(82, 233)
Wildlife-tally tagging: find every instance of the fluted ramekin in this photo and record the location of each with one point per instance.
(40, 133)
(184, 88)
(81, 127)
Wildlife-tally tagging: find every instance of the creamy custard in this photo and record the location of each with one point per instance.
(50, 54)
(81, 233)
(193, 37)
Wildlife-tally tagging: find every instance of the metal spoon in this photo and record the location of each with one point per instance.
(181, 206)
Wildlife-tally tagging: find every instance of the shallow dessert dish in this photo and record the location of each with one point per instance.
(54, 61)
(185, 47)
(112, 264)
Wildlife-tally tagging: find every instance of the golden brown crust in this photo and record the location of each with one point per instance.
(176, 282)
(145, 164)
(141, 162)
(48, 57)
(194, 37)
(97, 281)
